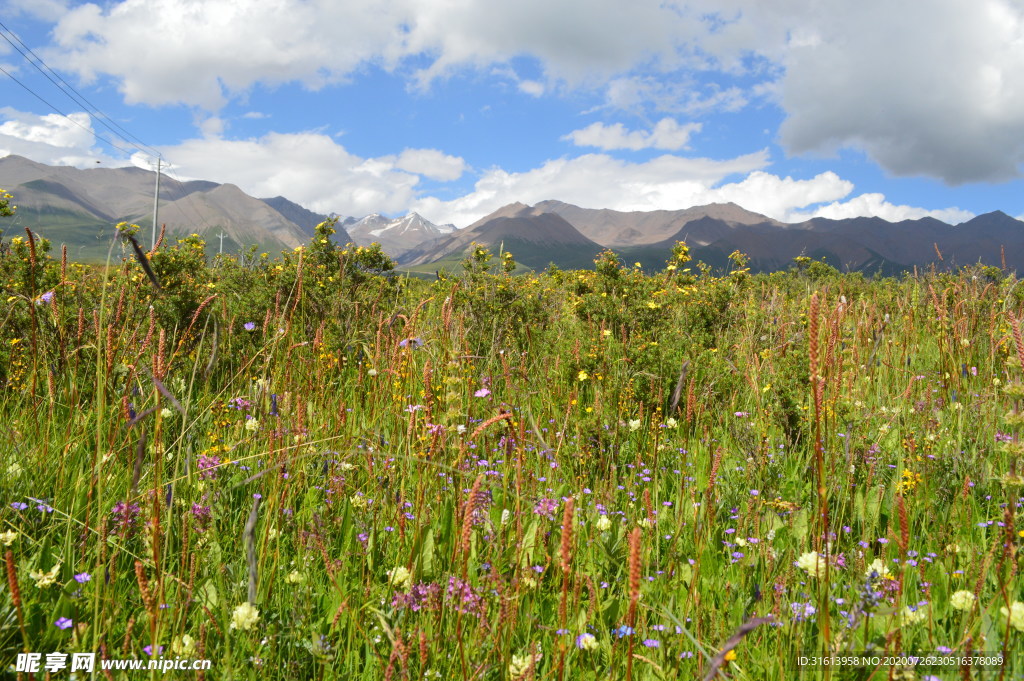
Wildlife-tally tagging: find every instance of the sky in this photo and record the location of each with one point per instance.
(454, 108)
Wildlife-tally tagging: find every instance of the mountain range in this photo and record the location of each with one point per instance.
(79, 207)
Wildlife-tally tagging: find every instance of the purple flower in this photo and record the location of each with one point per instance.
(63, 623)
(45, 298)
(482, 392)
(546, 507)
(83, 577)
(652, 643)
(19, 505)
(624, 631)
(413, 342)
(207, 466)
(249, 326)
(149, 650)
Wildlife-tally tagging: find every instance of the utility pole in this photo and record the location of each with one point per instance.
(156, 201)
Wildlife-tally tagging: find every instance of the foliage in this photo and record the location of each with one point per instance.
(588, 474)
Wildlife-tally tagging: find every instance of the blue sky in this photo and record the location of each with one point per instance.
(791, 108)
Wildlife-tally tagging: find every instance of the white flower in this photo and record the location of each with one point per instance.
(521, 663)
(460, 429)
(358, 502)
(962, 600)
(811, 563)
(45, 579)
(912, 615)
(295, 577)
(400, 577)
(166, 413)
(506, 515)
(634, 424)
(1014, 615)
(7, 538)
(671, 422)
(183, 646)
(603, 524)
(587, 642)
(371, 372)
(879, 568)
(244, 616)
(252, 425)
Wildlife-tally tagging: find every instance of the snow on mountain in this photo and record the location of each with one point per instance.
(396, 235)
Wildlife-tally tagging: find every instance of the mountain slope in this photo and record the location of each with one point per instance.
(79, 208)
(534, 240)
(396, 236)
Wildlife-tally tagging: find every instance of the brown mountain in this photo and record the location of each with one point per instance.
(535, 240)
(79, 208)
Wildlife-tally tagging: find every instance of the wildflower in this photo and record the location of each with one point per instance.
(183, 646)
(244, 616)
(671, 422)
(634, 425)
(546, 507)
(252, 425)
(83, 577)
(45, 298)
(358, 502)
(730, 656)
(295, 577)
(811, 563)
(414, 342)
(460, 429)
(166, 413)
(586, 642)
(521, 664)
(400, 577)
(249, 326)
(7, 538)
(45, 579)
(482, 392)
(652, 643)
(877, 570)
(1014, 615)
(19, 505)
(915, 615)
(63, 623)
(151, 652)
(624, 631)
(582, 376)
(603, 524)
(962, 600)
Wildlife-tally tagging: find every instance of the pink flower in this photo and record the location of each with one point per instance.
(482, 392)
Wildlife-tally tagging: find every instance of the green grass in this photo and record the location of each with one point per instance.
(444, 479)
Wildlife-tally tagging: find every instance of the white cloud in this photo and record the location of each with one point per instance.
(875, 205)
(431, 163)
(666, 134)
(594, 181)
(51, 139)
(922, 88)
(533, 88)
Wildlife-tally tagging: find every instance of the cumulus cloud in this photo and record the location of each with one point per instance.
(594, 181)
(922, 88)
(431, 163)
(667, 134)
(875, 205)
(51, 139)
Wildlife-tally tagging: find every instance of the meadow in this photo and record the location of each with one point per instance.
(313, 467)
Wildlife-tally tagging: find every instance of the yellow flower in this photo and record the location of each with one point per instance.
(811, 563)
(730, 656)
(962, 600)
(295, 577)
(45, 579)
(244, 617)
(912, 616)
(400, 577)
(521, 664)
(7, 538)
(1014, 615)
(603, 524)
(582, 376)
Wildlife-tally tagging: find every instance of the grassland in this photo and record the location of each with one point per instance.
(302, 468)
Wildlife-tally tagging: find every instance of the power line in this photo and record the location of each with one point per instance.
(77, 97)
(44, 101)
